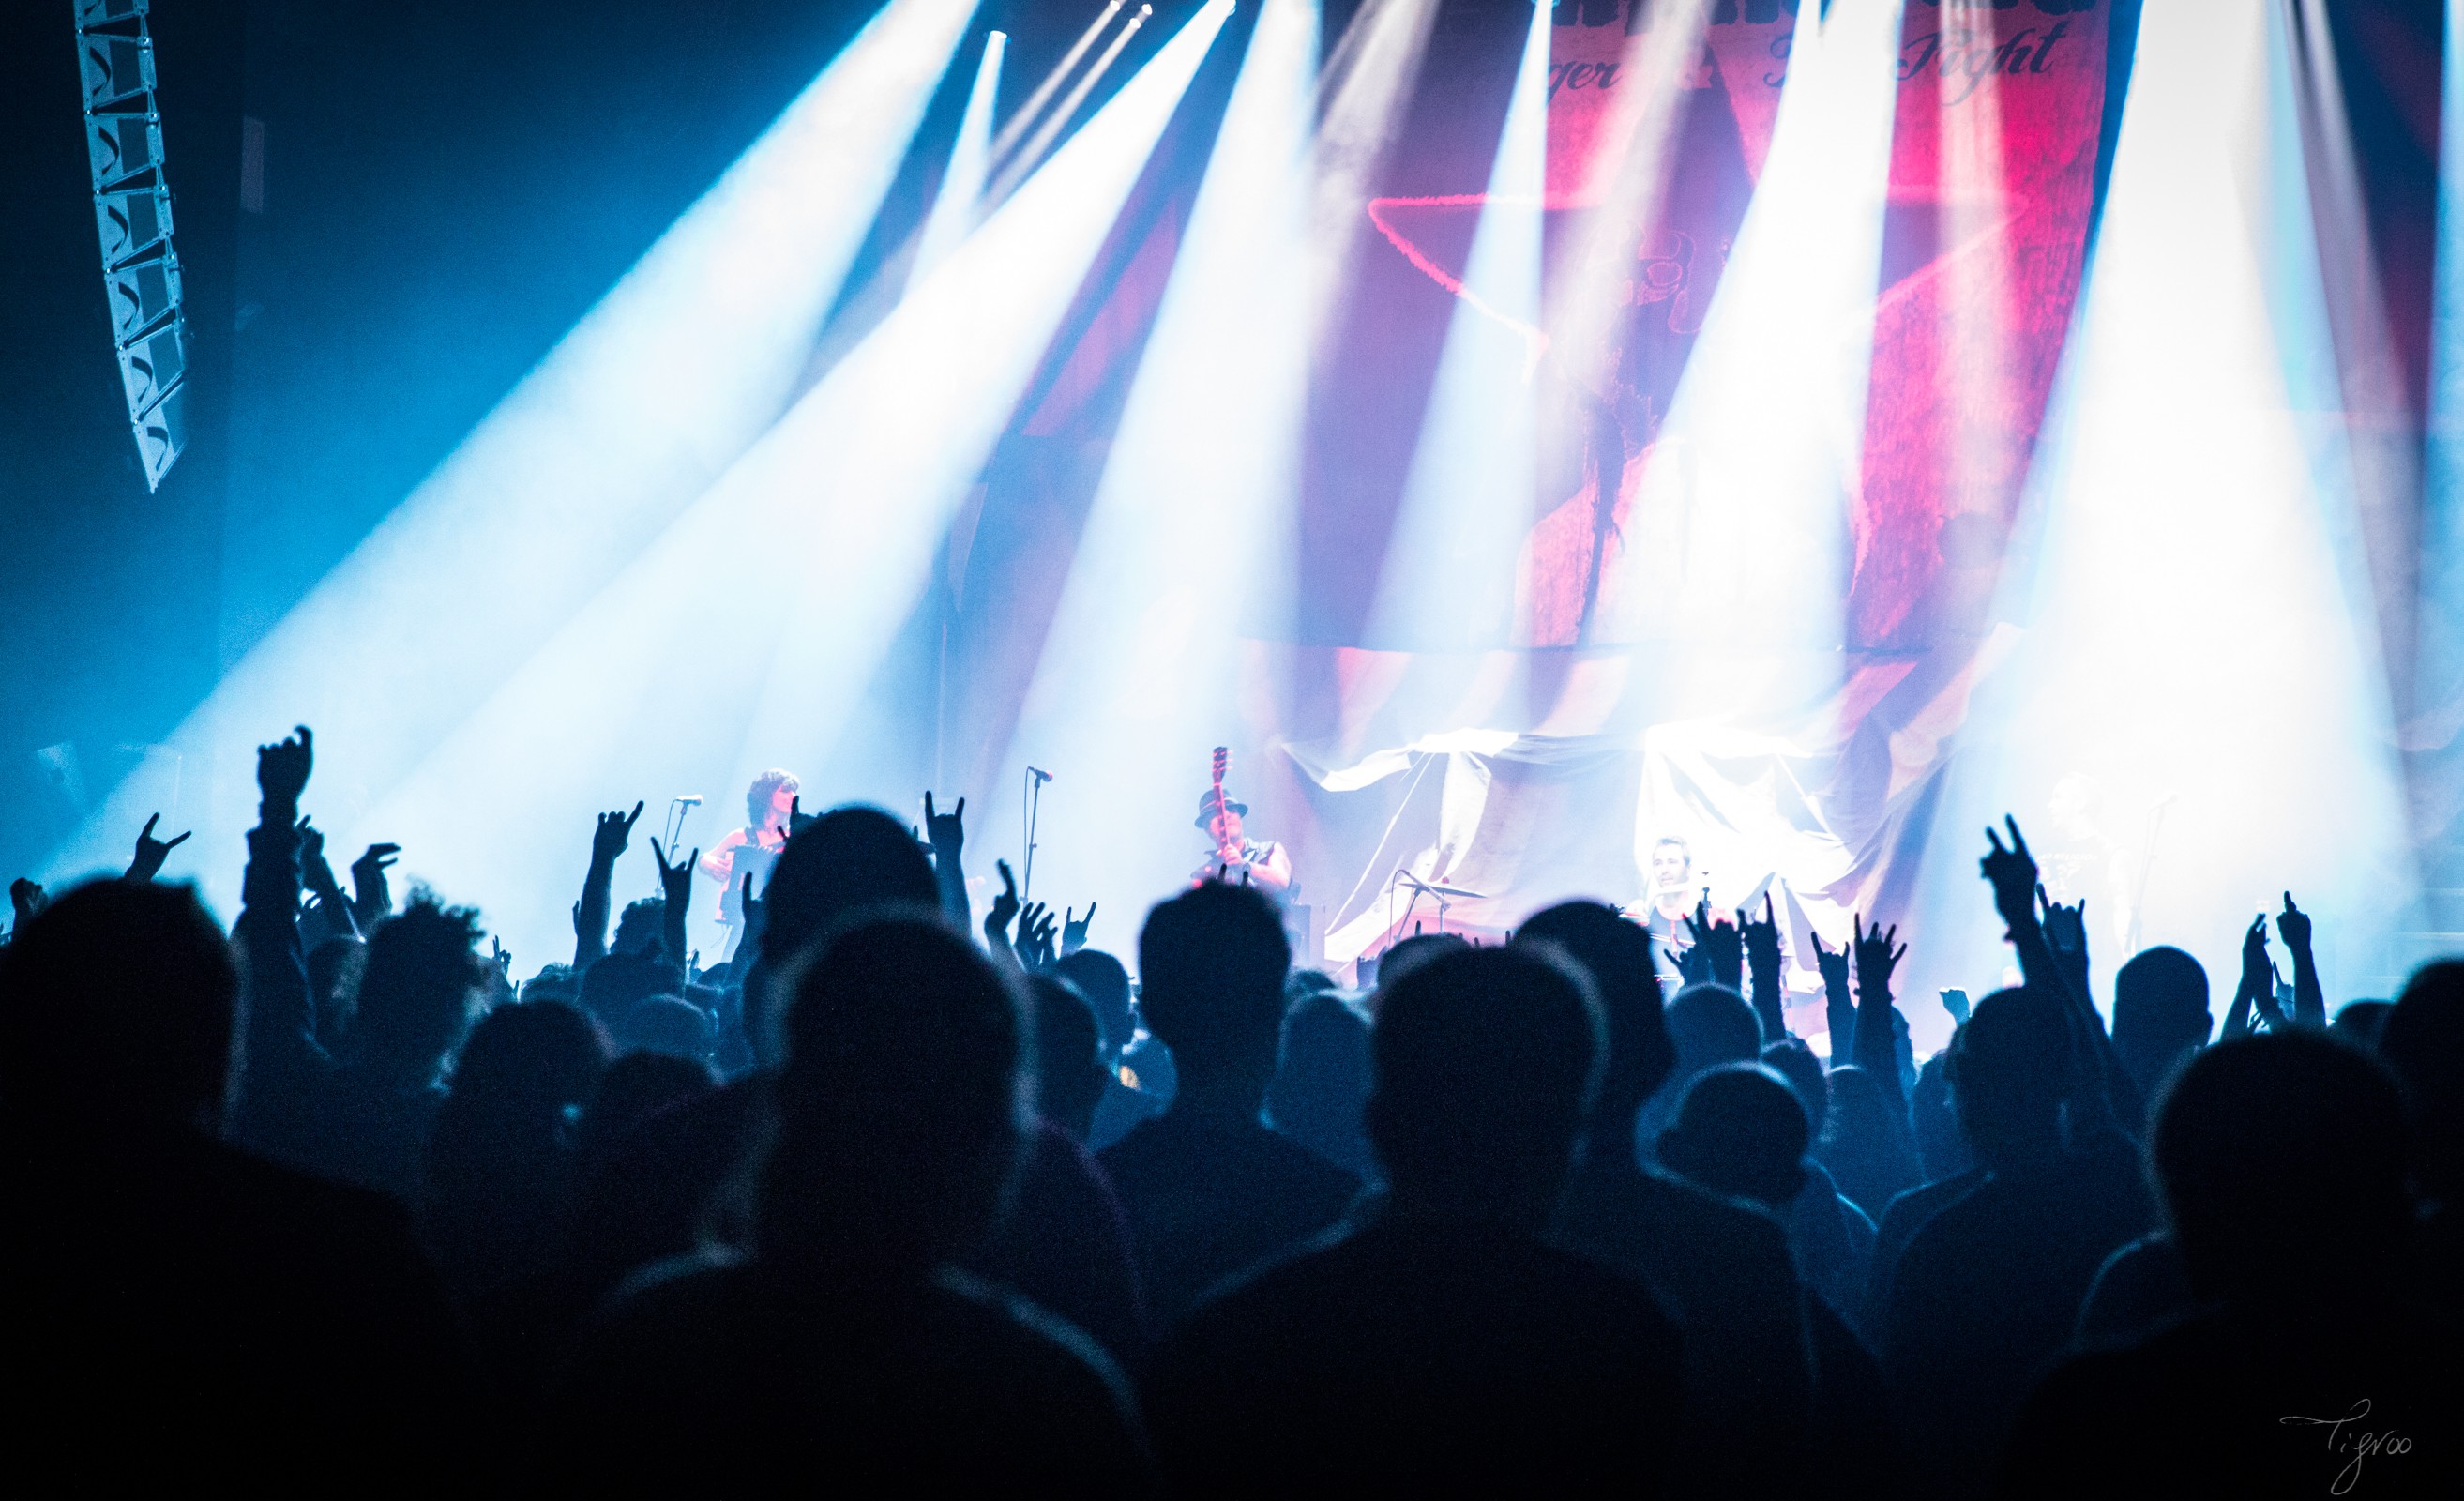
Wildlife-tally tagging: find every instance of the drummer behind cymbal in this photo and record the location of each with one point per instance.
(1237, 858)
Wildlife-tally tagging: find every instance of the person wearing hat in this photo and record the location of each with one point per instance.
(1237, 858)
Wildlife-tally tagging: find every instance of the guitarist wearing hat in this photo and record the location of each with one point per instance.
(1237, 859)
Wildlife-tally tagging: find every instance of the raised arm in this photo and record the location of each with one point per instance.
(1721, 946)
(675, 899)
(2011, 872)
(2066, 936)
(1763, 962)
(1073, 929)
(283, 1057)
(331, 910)
(607, 843)
(372, 899)
(1877, 1048)
(998, 921)
(947, 835)
(2309, 998)
(1839, 1009)
(25, 899)
(147, 862)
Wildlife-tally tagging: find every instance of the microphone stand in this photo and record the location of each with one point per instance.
(1421, 886)
(1032, 795)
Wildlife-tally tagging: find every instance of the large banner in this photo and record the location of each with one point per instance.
(1544, 764)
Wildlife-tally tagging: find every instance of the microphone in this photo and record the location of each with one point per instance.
(689, 800)
(1039, 774)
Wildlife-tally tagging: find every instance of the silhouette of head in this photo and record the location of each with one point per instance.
(118, 998)
(2159, 1014)
(418, 991)
(1712, 1024)
(1741, 1132)
(637, 926)
(1398, 959)
(1792, 1060)
(2281, 1162)
(1320, 1094)
(1615, 956)
(1303, 984)
(1487, 1061)
(543, 1049)
(2358, 1022)
(2010, 1071)
(668, 1025)
(636, 1087)
(552, 982)
(1102, 979)
(900, 1104)
(613, 985)
(840, 864)
(2423, 1041)
(1212, 961)
(523, 1066)
(1068, 1065)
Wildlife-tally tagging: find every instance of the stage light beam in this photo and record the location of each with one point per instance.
(632, 414)
(1187, 548)
(1447, 581)
(959, 202)
(2197, 718)
(745, 635)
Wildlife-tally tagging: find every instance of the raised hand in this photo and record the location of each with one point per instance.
(1722, 946)
(2011, 871)
(1955, 1002)
(614, 832)
(2065, 927)
(1043, 943)
(25, 898)
(675, 890)
(756, 916)
(318, 874)
(1876, 957)
(1003, 911)
(675, 878)
(1833, 964)
(282, 770)
(945, 830)
(2309, 998)
(1073, 929)
(152, 852)
(370, 898)
(1035, 936)
(1839, 1008)
(2065, 930)
(797, 817)
(2291, 924)
(1761, 938)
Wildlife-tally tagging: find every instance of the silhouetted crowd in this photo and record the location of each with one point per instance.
(896, 1202)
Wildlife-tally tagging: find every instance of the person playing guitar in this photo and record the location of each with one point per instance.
(1237, 858)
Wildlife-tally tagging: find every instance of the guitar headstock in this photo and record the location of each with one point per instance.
(1222, 764)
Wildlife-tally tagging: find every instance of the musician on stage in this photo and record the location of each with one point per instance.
(748, 850)
(1238, 858)
(1672, 895)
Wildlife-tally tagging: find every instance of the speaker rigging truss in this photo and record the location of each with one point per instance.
(132, 210)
